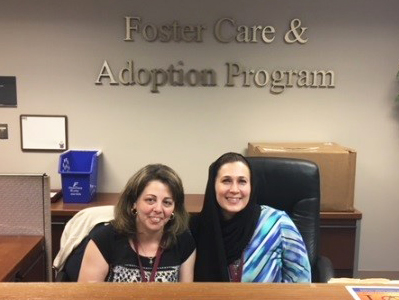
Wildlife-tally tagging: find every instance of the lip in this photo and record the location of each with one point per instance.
(233, 200)
(154, 219)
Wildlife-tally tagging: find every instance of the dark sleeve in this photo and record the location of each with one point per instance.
(104, 237)
(186, 245)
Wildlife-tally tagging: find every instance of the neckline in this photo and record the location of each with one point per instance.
(147, 259)
(154, 266)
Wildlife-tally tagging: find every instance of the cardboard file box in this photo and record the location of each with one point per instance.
(337, 167)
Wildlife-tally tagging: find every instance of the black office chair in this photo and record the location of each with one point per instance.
(293, 185)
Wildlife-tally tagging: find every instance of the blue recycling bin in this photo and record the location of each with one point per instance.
(78, 169)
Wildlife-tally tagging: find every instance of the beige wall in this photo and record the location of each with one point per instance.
(56, 49)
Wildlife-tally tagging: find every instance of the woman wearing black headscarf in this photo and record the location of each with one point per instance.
(239, 240)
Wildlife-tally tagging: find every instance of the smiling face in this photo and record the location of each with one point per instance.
(233, 188)
(154, 208)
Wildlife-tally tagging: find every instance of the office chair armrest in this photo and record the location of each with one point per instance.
(324, 269)
(61, 276)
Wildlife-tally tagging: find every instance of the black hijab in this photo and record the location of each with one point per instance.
(220, 242)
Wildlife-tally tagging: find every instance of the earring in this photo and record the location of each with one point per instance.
(134, 212)
(172, 217)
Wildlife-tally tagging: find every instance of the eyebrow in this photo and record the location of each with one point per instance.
(152, 195)
(230, 176)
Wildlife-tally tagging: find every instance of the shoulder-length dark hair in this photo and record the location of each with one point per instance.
(125, 221)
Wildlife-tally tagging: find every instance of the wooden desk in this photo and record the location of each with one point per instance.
(121, 291)
(22, 258)
(339, 231)
(193, 204)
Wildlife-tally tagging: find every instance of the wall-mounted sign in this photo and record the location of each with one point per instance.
(226, 31)
(8, 91)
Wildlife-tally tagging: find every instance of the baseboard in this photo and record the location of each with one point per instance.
(392, 275)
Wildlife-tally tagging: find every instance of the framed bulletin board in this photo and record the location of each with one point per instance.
(44, 133)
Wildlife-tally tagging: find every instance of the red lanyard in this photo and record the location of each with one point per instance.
(236, 272)
(154, 268)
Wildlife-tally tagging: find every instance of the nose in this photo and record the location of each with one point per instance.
(234, 187)
(157, 207)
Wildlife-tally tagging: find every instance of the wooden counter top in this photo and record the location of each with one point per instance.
(121, 291)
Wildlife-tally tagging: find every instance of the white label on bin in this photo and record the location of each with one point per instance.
(92, 189)
(65, 165)
(75, 189)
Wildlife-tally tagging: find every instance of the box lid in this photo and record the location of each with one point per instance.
(327, 147)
